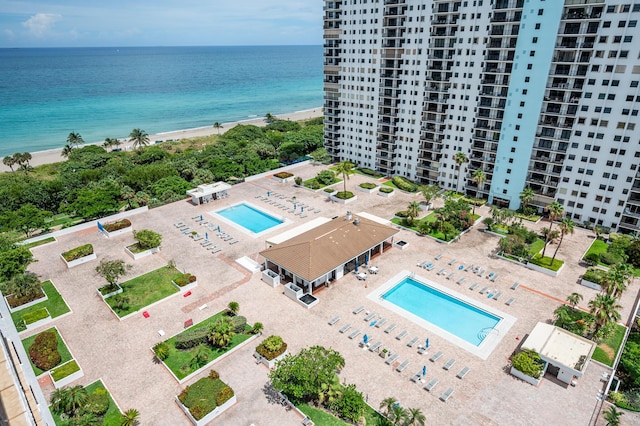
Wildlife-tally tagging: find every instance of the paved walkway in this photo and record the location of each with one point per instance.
(119, 351)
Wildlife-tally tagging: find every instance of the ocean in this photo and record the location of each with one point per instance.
(106, 92)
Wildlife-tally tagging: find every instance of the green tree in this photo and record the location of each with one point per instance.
(217, 126)
(112, 270)
(413, 211)
(130, 417)
(616, 279)
(69, 400)
(387, 404)
(605, 310)
(555, 210)
(147, 239)
(300, 376)
(14, 262)
(320, 155)
(574, 298)
(566, 227)
(23, 159)
(350, 405)
(221, 333)
(9, 161)
(139, 138)
(95, 200)
(199, 358)
(233, 307)
(429, 192)
(344, 168)
(66, 151)
(612, 416)
(415, 417)
(460, 158)
(330, 391)
(526, 197)
(28, 218)
(479, 177)
(161, 350)
(269, 117)
(23, 285)
(74, 140)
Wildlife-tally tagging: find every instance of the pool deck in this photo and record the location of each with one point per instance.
(119, 351)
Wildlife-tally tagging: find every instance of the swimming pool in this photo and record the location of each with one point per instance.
(250, 218)
(442, 310)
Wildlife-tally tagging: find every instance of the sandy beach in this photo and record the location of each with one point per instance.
(53, 155)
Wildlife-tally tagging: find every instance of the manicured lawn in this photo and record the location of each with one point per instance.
(55, 305)
(62, 348)
(534, 218)
(65, 370)
(597, 247)
(430, 218)
(39, 243)
(178, 360)
(608, 349)
(322, 418)
(145, 290)
(536, 246)
(546, 262)
(111, 418)
(309, 183)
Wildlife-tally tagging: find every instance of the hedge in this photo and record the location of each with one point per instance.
(115, 226)
(192, 338)
(404, 184)
(78, 252)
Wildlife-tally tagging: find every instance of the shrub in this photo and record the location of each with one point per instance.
(257, 328)
(369, 172)
(185, 279)
(225, 394)
(78, 252)
(298, 180)
(404, 184)
(386, 190)
(198, 411)
(326, 177)
(344, 195)
(115, 226)
(592, 258)
(239, 323)
(44, 350)
(161, 350)
(98, 402)
(213, 374)
(147, 239)
(283, 175)
(610, 258)
(192, 338)
(402, 213)
(594, 275)
(271, 347)
(329, 190)
(367, 185)
(529, 363)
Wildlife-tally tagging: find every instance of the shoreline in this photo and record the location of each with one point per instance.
(51, 156)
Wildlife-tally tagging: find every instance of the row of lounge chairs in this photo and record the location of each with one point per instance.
(186, 230)
(298, 209)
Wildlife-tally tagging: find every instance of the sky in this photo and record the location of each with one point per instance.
(96, 23)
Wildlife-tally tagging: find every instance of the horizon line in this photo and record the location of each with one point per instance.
(157, 46)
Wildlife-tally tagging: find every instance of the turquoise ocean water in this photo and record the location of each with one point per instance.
(106, 92)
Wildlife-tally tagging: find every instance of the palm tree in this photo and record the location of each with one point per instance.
(566, 227)
(130, 417)
(23, 158)
(234, 307)
(77, 396)
(429, 192)
(415, 417)
(574, 298)
(59, 399)
(139, 138)
(221, 333)
(604, 309)
(269, 117)
(460, 158)
(111, 142)
(330, 391)
(550, 238)
(217, 126)
(612, 416)
(344, 168)
(387, 404)
(526, 197)
(9, 161)
(555, 210)
(199, 358)
(74, 139)
(66, 151)
(616, 279)
(413, 210)
(399, 415)
(479, 177)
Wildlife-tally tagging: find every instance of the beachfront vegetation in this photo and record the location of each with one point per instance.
(14, 259)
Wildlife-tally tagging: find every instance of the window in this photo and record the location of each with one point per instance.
(627, 39)
(606, 24)
(532, 53)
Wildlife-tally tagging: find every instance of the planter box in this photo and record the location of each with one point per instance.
(329, 194)
(271, 278)
(426, 207)
(212, 415)
(272, 363)
(401, 244)
(38, 323)
(341, 201)
(495, 234)
(387, 195)
(142, 254)
(590, 284)
(79, 261)
(544, 270)
(113, 293)
(185, 287)
(285, 180)
(67, 380)
(368, 191)
(520, 375)
(26, 305)
(118, 232)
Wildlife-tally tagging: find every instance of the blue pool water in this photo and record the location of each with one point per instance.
(442, 310)
(252, 219)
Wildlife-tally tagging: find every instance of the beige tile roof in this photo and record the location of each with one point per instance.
(324, 248)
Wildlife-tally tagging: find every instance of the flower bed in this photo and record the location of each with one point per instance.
(78, 255)
(60, 347)
(283, 177)
(136, 252)
(120, 227)
(271, 350)
(344, 197)
(16, 304)
(206, 399)
(65, 374)
(386, 191)
(185, 282)
(367, 187)
(54, 303)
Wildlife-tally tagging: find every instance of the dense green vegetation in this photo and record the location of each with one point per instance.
(89, 405)
(205, 395)
(55, 305)
(61, 348)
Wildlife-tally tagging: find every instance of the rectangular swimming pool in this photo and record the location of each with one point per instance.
(454, 316)
(250, 218)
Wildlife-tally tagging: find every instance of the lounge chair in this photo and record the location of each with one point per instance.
(446, 395)
(381, 322)
(490, 275)
(354, 334)
(422, 350)
(468, 268)
(495, 278)
(484, 290)
(228, 238)
(497, 296)
(391, 359)
(232, 242)
(412, 342)
(461, 281)
(178, 224)
(430, 267)
(449, 364)
(206, 243)
(510, 301)
(317, 211)
(402, 366)
(375, 346)
(345, 328)
(463, 373)
(442, 272)
(450, 276)
(401, 335)
(473, 286)
(371, 316)
(390, 328)
(436, 356)
(438, 257)
(515, 285)
(431, 385)
(416, 377)
(302, 216)
(198, 238)
(422, 264)
(334, 320)
(358, 309)
(452, 262)
(481, 272)
(216, 250)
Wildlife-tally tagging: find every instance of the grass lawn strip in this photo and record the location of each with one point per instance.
(146, 289)
(322, 418)
(39, 243)
(546, 262)
(35, 316)
(607, 350)
(597, 247)
(113, 415)
(178, 360)
(62, 348)
(536, 246)
(64, 370)
(55, 304)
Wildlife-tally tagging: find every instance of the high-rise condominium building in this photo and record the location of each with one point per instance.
(540, 94)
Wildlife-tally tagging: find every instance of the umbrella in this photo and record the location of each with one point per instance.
(366, 259)
(219, 231)
(301, 209)
(268, 193)
(373, 323)
(206, 235)
(366, 339)
(200, 217)
(426, 345)
(460, 267)
(356, 265)
(294, 206)
(424, 370)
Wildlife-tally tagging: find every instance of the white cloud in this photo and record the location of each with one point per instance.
(8, 33)
(40, 23)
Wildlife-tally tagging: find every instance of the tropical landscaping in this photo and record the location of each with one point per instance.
(46, 350)
(54, 305)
